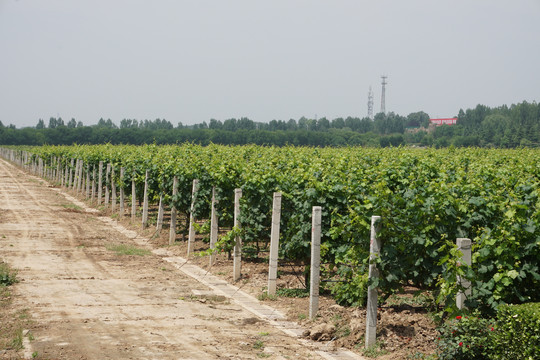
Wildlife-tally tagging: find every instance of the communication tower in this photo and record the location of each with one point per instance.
(370, 104)
(383, 105)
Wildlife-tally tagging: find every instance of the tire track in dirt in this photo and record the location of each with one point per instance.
(89, 303)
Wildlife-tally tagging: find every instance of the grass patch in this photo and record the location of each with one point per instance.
(375, 350)
(123, 249)
(297, 293)
(71, 207)
(17, 341)
(8, 276)
(12, 323)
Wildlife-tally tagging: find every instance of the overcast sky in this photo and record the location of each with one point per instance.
(191, 61)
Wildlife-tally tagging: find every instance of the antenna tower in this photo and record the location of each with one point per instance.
(383, 105)
(370, 104)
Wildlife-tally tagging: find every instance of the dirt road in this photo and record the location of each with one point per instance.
(87, 301)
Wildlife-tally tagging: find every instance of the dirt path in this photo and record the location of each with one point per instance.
(88, 302)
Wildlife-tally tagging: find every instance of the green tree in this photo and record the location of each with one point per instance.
(417, 119)
(323, 124)
(72, 124)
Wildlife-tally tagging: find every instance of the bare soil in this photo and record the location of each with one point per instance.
(88, 302)
(404, 328)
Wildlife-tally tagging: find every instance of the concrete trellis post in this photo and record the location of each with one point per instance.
(79, 176)
(237, 259)
(87, 193)
(274, 244)
(122, 195)
(191, 236)
(75, 176)
(93, 183)
(145, 202)
(374, 251)
(58, 171)
(464, 245)
(315, 261)
(172, 232)
(70, 182)
(83, 179)
(113, 190)
(161, 210)
(73, 172)
(107, 180)
(133, 197)
(100, 183)
(66, 175)
(214, 227)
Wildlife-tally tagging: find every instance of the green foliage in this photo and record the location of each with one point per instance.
(353, 293)
(505, 126)
(465, 337)
(448, 284)
(225, 242)
(8, 276)
(517, 335)
(426, 197)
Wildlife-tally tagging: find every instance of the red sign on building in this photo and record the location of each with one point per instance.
(446, 121)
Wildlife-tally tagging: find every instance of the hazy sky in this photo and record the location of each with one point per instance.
(190, 61)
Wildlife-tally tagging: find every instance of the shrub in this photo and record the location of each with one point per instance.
(517, 335)
(465, 337)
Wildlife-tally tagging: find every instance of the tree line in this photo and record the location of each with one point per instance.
(504, 126)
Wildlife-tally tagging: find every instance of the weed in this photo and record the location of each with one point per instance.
(264, 333)
(265, 296)
(375, 350)
(17, 342)
(343, 331)
(5, 296)
(35, 354)
(123, 249)
(259, 344)
(23, 315)
(8, 276)
(298, 293)
(72, 207)
(263, 355)
(302, 316)
(420, 298)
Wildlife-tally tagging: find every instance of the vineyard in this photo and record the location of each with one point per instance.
(426, 199)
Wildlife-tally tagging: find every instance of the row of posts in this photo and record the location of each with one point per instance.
(68, 179)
